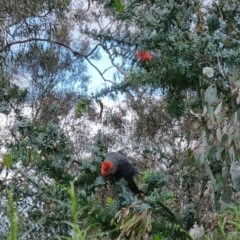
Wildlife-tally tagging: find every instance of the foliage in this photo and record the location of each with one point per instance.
(175, 110)
(11, 96)
(220, 143)
(44, 148)
(77, 233)
(133, 224)
(147, 216)
(13, 218)
(194, 62)
(184, 37)
(223, 225)
(81, 106)
(38, 165)
(178, 67)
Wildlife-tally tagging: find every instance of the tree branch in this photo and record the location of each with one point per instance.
(119, 68)
(76, 53)
(101, 74)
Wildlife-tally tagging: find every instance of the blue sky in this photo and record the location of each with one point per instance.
(96, 80)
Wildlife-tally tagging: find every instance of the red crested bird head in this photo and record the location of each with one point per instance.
(107, 168)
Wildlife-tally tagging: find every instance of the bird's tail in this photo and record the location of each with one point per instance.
(133, 186)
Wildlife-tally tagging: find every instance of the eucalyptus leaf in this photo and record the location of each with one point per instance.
(219, 134)
(210, 94)
(218, 108)
(231, 154)
(224, 138)
(220, 117)
(204, 110)
(238, 115)
(210, 112)
(218, 153)
(236, 134)
(219, 113)
(235, 175)
(218, 186)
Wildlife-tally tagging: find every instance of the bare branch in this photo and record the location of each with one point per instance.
(76, 53)
(100, 73)
(119, 68)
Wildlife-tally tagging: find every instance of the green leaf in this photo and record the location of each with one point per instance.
(210, 112)
(204, 110)
(99, 181)
(219, 113)
(209, 98)
(218, 108)
(231, 154)
(219, 134)
(235, 175)
(218, 153)
(236, 134)
(119, 6)
(210, 94)
(218, 186)
(224, 138)
(238, 115)
(220, 118)
(81, 106)
(7, 160)
(209, 172)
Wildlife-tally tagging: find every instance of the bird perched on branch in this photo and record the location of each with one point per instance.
(118, 166)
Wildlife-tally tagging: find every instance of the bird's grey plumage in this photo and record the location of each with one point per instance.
(123, 168)
(122, 164)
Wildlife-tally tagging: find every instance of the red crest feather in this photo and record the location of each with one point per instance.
(106, 168)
